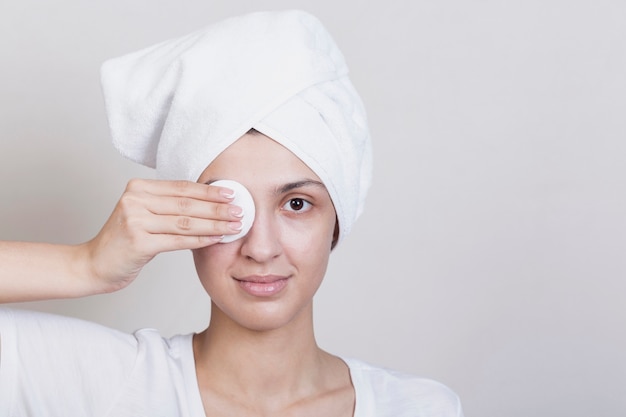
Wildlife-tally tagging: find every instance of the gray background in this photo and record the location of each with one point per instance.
(491, 253)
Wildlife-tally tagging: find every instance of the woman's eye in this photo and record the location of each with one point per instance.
(297, 204)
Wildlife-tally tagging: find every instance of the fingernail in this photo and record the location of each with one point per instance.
(227, 192)
(236, 226)
(235, 211)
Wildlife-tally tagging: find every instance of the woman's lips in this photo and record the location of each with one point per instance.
(262, 286)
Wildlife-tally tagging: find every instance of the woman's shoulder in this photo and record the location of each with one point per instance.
(74, 339)
(41, 352)
(34, 324)
(30, 324)
(386, 392)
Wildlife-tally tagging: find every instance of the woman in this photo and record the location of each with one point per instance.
(263, 100)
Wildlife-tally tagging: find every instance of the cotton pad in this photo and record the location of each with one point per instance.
(243, 199)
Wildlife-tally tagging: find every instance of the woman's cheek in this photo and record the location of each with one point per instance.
(207, 260)
(304, 234)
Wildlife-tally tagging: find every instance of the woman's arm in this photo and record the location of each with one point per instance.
(151, 217)
(36, 271)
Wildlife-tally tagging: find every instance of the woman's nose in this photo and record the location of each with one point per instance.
(262, 243)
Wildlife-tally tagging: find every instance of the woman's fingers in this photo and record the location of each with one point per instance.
(184, 213)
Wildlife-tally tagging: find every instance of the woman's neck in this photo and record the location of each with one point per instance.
(273, 372)
(260, 364)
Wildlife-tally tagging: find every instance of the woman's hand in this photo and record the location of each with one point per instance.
(154, 216)
(151, 217)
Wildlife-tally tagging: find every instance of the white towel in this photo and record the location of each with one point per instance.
(177, 105)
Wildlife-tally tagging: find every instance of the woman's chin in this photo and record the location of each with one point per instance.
(266, 317)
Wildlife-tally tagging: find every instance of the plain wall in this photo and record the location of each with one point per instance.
(491, 253)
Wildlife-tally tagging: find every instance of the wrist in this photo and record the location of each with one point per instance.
(86, 272)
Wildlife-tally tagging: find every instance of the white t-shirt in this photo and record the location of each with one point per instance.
(59, 366)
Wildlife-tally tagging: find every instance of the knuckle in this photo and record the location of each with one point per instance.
(184, 223)
(127, 201)
(224, 211)
(181, 185)
(134, 184)
(221, 227)
(212, 211)
(184, 204)
(211, 192)
(181, 241)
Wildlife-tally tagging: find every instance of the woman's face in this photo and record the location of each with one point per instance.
(267, 278)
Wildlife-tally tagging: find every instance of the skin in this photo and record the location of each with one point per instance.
(262, 347)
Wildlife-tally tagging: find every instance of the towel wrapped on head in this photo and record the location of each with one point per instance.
(177, 105)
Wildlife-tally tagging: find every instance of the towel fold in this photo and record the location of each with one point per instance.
(177, 105)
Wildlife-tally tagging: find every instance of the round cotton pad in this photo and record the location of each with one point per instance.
(243, 199)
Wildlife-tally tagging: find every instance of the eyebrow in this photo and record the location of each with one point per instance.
(287, 187)
(299, 184)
